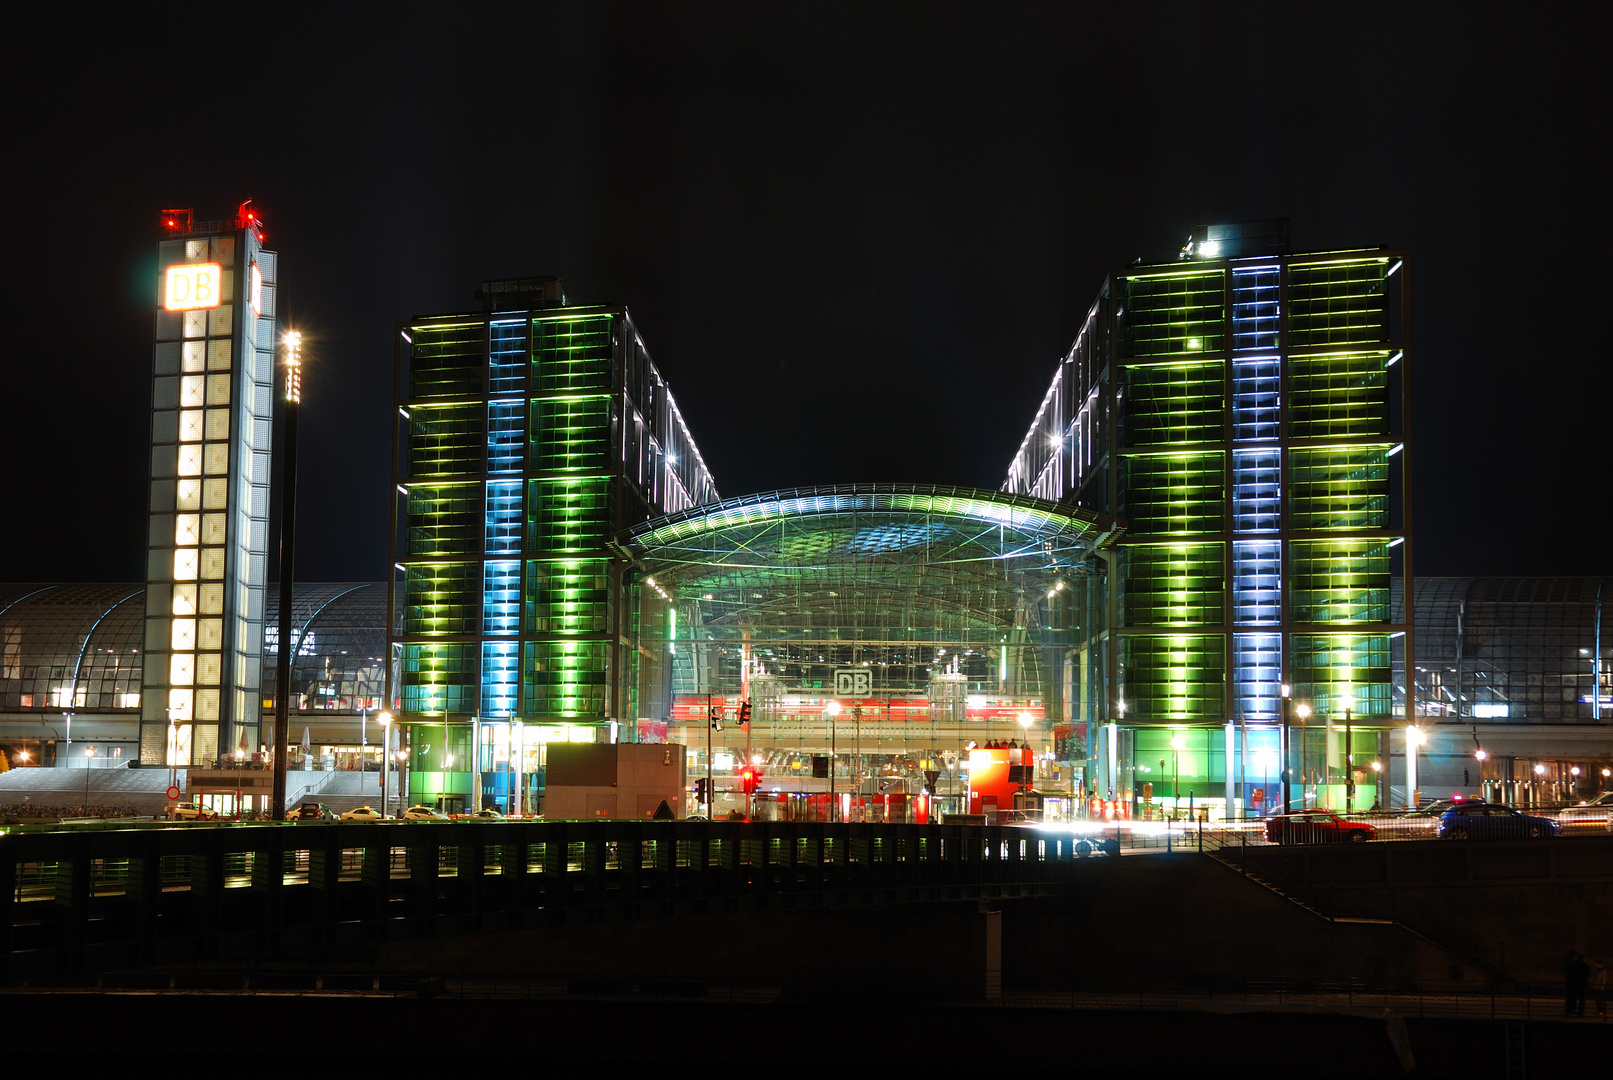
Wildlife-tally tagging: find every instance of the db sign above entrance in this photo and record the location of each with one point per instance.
(853, 682)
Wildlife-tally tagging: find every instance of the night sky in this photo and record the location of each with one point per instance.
(855, 238)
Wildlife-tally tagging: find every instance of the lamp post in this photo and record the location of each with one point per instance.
(1283, 749)
(1349, 757)
(288, 543)
(1415, 737)
(833, 710)
(1481, 756)
(1178, 744)
(403, 777)
(1377, 783)
(89, 758)
(385, 720)
(1303, 711)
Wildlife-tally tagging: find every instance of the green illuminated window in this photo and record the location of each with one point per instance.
(567, 596)
(1343, 489)
(448, 361)
(564, 678)
(1338, 581)
(571, 354)
(565, 516)
(1336, 303)
(1175, 493)
(446, 440)
(1174, 676)
(444, 519)
(570, 435)
(442, 599)
(1175, 585)
(1172, 403)
(439, 678)
(1175, 313)
(1330, 670)
(1345, 394)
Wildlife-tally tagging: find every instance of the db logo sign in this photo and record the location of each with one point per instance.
(853, 682)
(191, 286)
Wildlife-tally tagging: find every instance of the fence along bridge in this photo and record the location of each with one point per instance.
(86, 901)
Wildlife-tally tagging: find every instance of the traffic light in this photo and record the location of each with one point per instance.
(750, 778)
(716, 718)
(744, 714)
(700, 790)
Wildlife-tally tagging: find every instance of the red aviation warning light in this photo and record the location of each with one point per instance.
(247, 218)
(177, 220)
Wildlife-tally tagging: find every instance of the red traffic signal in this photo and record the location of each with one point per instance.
(750, 778)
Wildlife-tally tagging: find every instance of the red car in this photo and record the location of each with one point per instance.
(1317, 827)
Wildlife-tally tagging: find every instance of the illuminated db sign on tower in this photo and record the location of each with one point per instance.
(212, 393)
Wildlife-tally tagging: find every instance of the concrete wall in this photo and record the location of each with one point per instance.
(619, 780)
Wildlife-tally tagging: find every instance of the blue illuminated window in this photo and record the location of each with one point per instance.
(504, 436)
(1256, 490)
(501, 597)
(1256, 395)
(506, 356)
(1257, 668)
(503, 517)
(1254, 308)
(501, 674)
(1256, 574)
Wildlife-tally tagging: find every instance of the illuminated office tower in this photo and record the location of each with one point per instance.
(211, 400)
(528, 434)
(1243, 409)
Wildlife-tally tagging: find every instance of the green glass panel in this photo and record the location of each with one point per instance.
(1175, 313)
(448, 360)
(1336, 303)
(1174, 585)
(442, 599)
(443, 519)
(1338, 581)
(1175, 494)
(570, 354)
(565, 678)
(1174, 676)
(446, 440)
(1344, 394)
(567, 516)
(570, 435)
(1331, 670)
(567, 596)
(1341, 489)
(438, 678)
(1173, 403)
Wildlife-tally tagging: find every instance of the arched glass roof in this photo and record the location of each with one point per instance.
(78, 646)
(905, 580)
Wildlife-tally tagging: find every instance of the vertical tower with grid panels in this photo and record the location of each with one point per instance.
(1243, 408)
(211, 424)
(527, 435)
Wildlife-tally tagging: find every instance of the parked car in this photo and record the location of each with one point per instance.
(1439, 807)
(486, 813)
(1317, 827)
(189, 811)
(363, 813)
(315, 811)
(1488, 821)
(421, 812)
(1592, 815)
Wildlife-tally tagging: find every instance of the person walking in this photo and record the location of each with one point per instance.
(1576, 974)
(1598, 984)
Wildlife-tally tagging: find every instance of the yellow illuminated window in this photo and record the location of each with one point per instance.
(182, 669)
(218, 424)
(187, 529)
(210, 634)
(184, 600)
(213, 529)
(208, 666)
(195, 355)
(183, 635)
(189, 495)
(212, 602)
(185, 561)
(212, 563)
(215, 494)
(190, 425)
(192, 390)
(217, 459)
(218, 389)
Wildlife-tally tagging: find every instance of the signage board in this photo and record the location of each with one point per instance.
(853, 682)
(190, 286)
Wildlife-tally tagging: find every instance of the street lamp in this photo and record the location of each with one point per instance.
(1264, 757)
(1303, 711)
(89, 756)
(22, 756)
(385, 720)
(292, 343)
(1349, 756)
(1178, 744)
(833, 709)
(1415, 737)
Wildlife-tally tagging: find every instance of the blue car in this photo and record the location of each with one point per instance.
(1487, 821)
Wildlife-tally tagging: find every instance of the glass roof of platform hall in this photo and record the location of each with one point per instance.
(886, 567)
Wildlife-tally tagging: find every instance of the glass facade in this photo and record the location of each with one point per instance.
(529, 435)
(1242, 410)
(212, 402)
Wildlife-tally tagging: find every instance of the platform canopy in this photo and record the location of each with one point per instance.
(906, 580)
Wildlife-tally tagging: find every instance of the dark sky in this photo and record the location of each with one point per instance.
(856, 238)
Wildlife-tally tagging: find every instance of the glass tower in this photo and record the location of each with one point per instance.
(211, 399)
(1243, 410)
(528, 435)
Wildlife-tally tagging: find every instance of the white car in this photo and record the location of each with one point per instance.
(193, 812)
(363, 813)
(423, 813)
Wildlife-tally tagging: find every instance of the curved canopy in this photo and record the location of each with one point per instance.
(904, 579)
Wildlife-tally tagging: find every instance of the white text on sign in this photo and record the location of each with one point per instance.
(853, 682)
